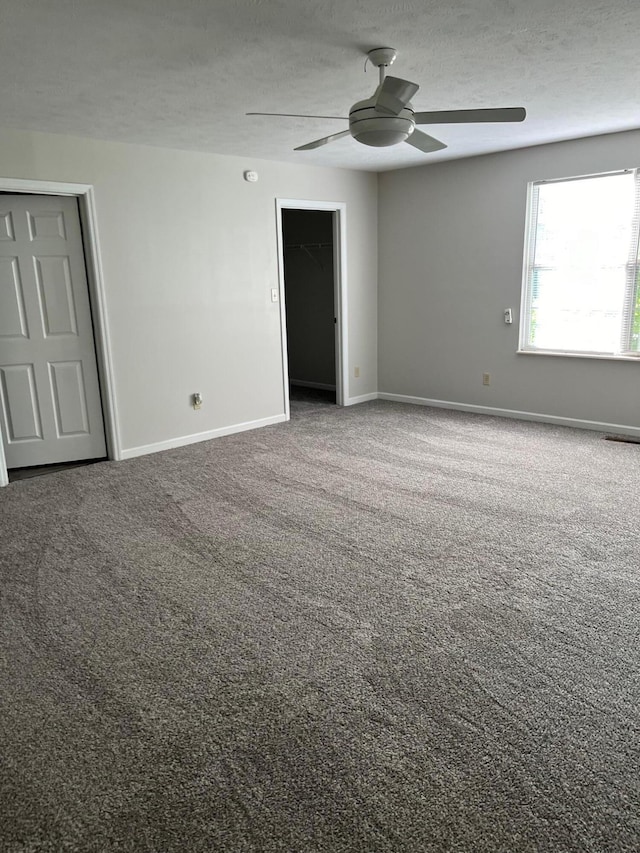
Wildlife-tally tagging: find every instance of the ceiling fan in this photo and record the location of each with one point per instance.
(387, 118)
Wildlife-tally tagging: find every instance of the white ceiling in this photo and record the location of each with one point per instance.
(182, 73)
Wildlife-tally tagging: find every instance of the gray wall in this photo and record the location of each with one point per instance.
(309, 282)
(450, 260)
(189, 252)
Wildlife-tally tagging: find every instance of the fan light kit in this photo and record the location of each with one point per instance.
(387, 117)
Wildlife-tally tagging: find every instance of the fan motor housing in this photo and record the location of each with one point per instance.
(371, 127)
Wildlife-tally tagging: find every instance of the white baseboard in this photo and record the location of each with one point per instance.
(623, 429)
(183, 440)
(364, 398)
(302, 383)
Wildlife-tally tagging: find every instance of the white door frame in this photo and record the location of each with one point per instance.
(97, 298)
(339, 208)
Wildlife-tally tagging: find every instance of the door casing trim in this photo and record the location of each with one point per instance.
(97, 298)
(339, 209)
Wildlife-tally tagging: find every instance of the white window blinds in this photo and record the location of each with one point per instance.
(581, 287)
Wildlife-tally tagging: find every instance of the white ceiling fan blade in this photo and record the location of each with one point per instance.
(296, 115)
(424, 142)
(394, 94)
(325, 139)
(471, 116)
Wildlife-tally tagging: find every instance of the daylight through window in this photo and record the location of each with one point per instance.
(581, 292)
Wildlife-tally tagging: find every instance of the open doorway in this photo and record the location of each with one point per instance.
(309, 286)
(312, 294)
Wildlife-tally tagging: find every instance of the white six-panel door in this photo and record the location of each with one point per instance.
(50, 408)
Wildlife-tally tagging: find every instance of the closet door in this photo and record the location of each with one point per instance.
(49, 393)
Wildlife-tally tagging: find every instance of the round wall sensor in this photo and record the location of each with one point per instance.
(252, 177)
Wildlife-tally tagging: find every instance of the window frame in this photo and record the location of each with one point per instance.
(632, 293)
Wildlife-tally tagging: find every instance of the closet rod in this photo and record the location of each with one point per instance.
(308, 246)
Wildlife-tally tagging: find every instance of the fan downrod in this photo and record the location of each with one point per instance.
(382, 58)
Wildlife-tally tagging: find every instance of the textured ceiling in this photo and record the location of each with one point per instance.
(182, 73)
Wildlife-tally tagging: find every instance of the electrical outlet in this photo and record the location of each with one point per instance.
(356, 372)
(486, 379)
(196, 400)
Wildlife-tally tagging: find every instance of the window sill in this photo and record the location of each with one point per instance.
(599, 356)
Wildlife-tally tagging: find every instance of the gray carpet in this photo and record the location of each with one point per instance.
(306, 401)
(386, 628)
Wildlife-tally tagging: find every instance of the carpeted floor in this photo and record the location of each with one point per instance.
(383, 628)
(306, 401)
(16, 474)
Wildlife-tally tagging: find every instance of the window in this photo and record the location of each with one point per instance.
(581, 291)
